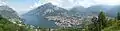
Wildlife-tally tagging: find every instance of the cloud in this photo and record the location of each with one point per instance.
(72, 3)
(3, 2)
(61, 3)
(108, 2)
(38, 3)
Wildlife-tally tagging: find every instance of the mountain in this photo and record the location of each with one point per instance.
(110, 11)
(77, 11)
(47, 10)
(113, 11)
(8, 12)
(37, 16)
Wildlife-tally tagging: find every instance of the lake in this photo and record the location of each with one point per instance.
(38, 21)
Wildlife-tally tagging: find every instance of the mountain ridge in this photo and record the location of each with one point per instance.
(8, 12)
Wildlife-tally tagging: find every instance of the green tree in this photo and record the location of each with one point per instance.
(69, 29)
(98, 23)
(113, 25)
(118, 16)
(101, 20)
(94, 26)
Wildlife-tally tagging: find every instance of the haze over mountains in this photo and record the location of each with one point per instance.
(111, 11)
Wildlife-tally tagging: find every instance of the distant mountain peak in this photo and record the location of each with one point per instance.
(48, 4)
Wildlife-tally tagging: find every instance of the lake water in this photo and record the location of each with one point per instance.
(38, 21)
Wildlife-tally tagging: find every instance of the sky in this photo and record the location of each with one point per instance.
(23, 6)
